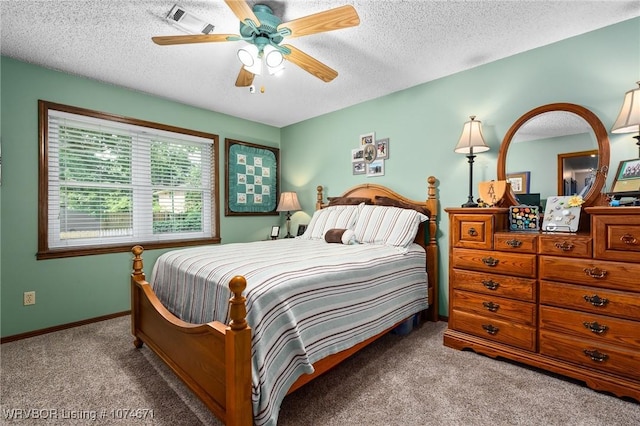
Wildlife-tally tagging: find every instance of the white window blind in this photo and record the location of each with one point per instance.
(114, 183)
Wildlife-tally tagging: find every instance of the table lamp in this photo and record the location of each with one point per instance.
(288, 203)
(471, 142)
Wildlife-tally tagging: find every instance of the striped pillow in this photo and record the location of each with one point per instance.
(384, 225)
(343, 217)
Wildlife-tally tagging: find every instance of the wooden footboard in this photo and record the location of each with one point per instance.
(213, 359)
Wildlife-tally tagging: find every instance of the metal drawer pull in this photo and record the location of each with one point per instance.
(489, 261)
(596, 273)
(629, 239)
(596, 300)
(490, 329)
(595, 327)
(596, 355)
(514, 243)
(472, 232)
(565, 246)
(490, 306)
(490, 284)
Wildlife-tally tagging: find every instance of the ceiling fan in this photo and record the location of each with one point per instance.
(265, 32)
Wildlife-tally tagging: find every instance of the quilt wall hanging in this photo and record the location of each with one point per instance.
(252, 173)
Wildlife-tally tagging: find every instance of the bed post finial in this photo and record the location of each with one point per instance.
(238, 309)
(319, 197)
(431, 189)
(137, 273)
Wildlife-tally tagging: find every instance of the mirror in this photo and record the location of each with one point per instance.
(537, 140)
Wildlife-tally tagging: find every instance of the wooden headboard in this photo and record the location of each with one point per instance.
(427, 233)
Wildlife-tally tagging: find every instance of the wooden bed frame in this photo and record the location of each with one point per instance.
(214, 359)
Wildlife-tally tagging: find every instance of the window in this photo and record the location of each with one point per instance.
(108, 182)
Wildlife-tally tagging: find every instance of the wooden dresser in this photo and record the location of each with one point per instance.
(564, 302)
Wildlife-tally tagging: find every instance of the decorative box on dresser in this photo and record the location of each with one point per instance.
(568, 303)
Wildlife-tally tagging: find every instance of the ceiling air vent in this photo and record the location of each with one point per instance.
(178, 14)
(188, 22)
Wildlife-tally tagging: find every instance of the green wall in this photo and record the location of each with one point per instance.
(423, 124)
(75, 289)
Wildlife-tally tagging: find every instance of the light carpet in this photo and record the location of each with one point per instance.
(94, 371)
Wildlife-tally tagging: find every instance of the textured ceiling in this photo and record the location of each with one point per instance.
(552, 125)
(398, 44)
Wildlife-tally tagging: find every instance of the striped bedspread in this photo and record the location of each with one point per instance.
(306, 299)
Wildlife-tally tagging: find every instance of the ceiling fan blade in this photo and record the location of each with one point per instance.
(242, 10)
(310, 65)
(245, 78)
(196, 38)
(329, 20)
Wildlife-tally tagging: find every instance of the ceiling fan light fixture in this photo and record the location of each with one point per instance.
(249, 55)
(250, 58)
(188, 22)
(245, 57)
(272, 56)
(273, 59)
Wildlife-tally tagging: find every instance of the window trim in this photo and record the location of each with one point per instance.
(44, 252)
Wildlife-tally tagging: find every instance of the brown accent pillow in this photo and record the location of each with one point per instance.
(334, 235)
(381, 200)
(348, 201)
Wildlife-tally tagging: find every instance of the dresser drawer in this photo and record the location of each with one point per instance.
(597, 327)
(617, 237)
(494, 284)
(566, 245)
(495, 307)
(518, 242)
(507, 332)
(620, 304)
(610, 358)
(596, 273)
(471, 231)
(522, 265)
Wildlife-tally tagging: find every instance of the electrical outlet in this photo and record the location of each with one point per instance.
(29, 298)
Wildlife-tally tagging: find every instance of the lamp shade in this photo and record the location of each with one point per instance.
(471, 141)
(288, 202)
(628, 120)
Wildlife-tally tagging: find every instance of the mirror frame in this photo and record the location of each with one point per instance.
(593, 197)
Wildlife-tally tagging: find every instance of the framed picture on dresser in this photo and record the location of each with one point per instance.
(627, 179)
(519, 182)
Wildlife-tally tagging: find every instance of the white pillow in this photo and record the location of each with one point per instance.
(343, 217)
(385, 225)
(349, 237)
